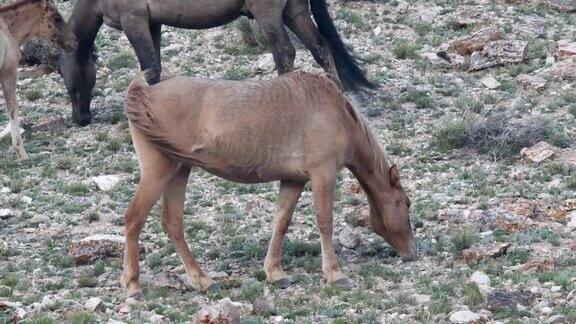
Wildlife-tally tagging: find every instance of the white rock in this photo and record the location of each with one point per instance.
(422, 299)
(377, 31)
(5, 190)
(217, 275)
(6, 213)
(480, 278)
(26, 199)
(545, 310)
(556, 288)
(38, 219)
(490, 82)
(108, 182)
(464, 316)
(6, 131)
(265, 63)
(92, 304)
(157, 319)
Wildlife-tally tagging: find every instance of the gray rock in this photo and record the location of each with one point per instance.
(501, 299)
(422, 299)
(38, 219)
(92, 304)
(96, 247)
(557, 319)
(264, 306)
(498, 53)
(349, 237)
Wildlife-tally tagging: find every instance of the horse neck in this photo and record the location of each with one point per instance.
(23, 20)
(371, 168)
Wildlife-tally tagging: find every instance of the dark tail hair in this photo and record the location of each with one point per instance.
(350, 73)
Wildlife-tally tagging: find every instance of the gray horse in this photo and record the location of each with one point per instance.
(142, 20)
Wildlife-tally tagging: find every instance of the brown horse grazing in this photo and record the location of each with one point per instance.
(19, 22)
(296, 128)
(142, 20)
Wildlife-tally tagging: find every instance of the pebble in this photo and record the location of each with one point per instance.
(557, 319)
(92, 304)
(465, 316)
(38, 219)
(349, 237)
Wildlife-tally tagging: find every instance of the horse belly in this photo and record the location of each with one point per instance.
(194, 14)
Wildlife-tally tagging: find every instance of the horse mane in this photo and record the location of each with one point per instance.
(378, 158)
(16, 4)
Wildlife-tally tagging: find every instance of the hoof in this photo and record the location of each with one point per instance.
(213, 289)
(283, 283)
(139, 296)
(343, 283)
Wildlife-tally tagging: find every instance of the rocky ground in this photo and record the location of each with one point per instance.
(476, 104)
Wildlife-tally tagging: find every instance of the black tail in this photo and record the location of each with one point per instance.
(350, 73)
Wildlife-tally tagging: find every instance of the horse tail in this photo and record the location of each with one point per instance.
(138, 109)
(349, 71)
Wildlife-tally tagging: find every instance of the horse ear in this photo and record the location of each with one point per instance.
(394, 176)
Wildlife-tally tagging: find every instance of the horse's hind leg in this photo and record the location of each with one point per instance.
(298, 18)
(268, 14)
(323, 181)
(8, 76)
(138, 31)
(156, 172)
(172, 210)
(287, 200)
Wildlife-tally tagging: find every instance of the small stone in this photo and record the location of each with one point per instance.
(464, 316)
(546, 310)
(490, 82)
(557, 319)
(223, 311)
(265, 63)
(561, 5)
(6, 213)
(39, 219)
(157, 319)
(555, 288)
(108, 182)
(92, 304)
(359, 216)
(422, 299)
(5, 190)
(480, 278)
(565, 50)
(349, 237)
(264, 306)
(218, 275)
(50, 124)
(96, 247)
(539, 153)
(377, 31)
(531, 82)
(484, 252)
(170, 280)
(570, 204)
(5, 132)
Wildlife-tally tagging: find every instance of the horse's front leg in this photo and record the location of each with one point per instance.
(323, 191)
(138, 31)
(287, 200)
(8, 76)
(172, 213)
